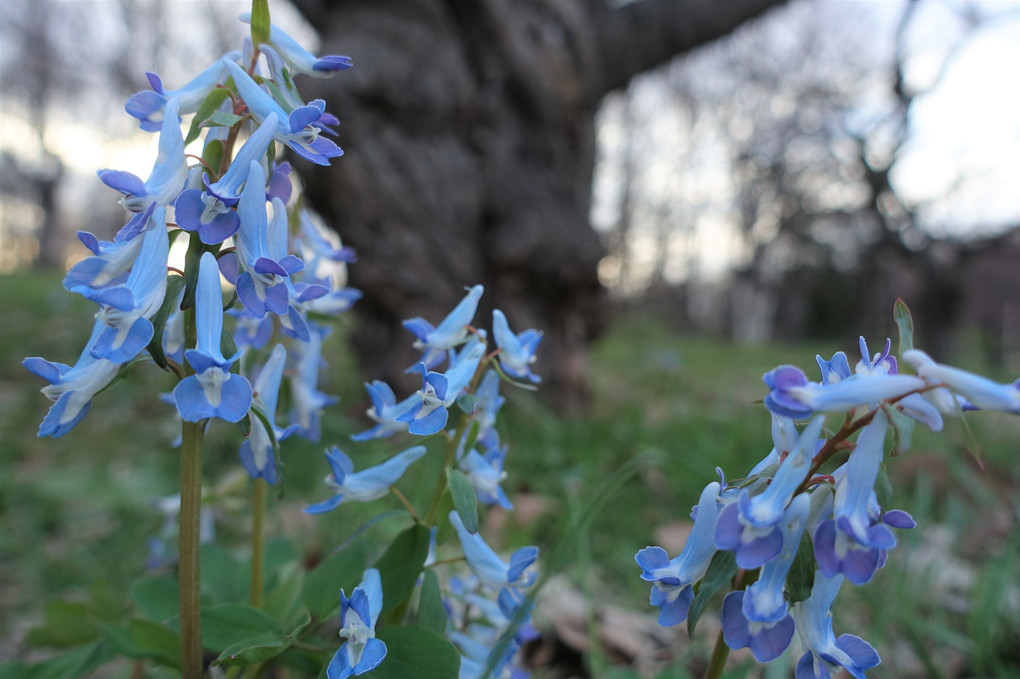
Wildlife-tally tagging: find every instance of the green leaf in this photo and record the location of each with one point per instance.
(431, 612)
(464, 498)
(903, 429)
(254, 650)
(145, 639)
(419, 652)
(401, 564)
(905, 324)
(720, 572)
(174, 286)
(801, 577)
(283, 601)
(444, 529)
(191, 263)
(883, 489)
(212, 156)
(209, 105)
(72, 665)
(472, 435)
(343, 569)
(221, 575)
(67, 623)
(156, 597)
(260, 25)
(226, 625)
(467, 404)
(222, 119)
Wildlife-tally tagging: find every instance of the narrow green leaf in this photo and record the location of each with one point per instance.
(883, 489)
(419, 652)
(156, 597)
(209, 105)
(174, 288)
(801, 577)
(431, 612)
(74, 664)
(401, 563)
(464, 498)
(191, 263)
(444, 529)
(472, 435)
(66, 623)
(222, 119)
(260, 25)
(212, 156)
(905, 324)
(903, 430)
(720, 572)
(254, 650)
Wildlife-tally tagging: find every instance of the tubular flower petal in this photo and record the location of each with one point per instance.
(385, 411)
(826, 655)
(366, 485)
(440, 391)
(517, 352)
(361, 652)
(453, 330)
(257, 450)
(487, 565)
(979, 392)
(298, 58)
(148, 105)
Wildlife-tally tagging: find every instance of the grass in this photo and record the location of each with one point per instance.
(75, 512)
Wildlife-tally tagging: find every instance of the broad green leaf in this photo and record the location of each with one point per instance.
(74, 664)
(260, 25)
(145, 639)
(66, 623)
(464, 498)
(222, 119)
(174, 287)
(343, 569)
(221, 575)
(444, 529)
(905, 324)
(225, 625)
(431, 612)
(419, 652)
(720, 572)
(467, 403)
(254, 650)
(156, 597)
(801, 577)
(401, 564)
(209, 105)
(283, 600)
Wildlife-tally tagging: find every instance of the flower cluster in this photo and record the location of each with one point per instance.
(482, 608)
(790, 533)
(236, 209)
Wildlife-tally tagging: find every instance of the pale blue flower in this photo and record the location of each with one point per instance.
(213, 391)
(792, 395)
(441, 390)
(486, 564)
(384, 411)
(111, 260)
(257, 455)
(451, 332)
(366, 485)
(209, 211)
(298, 58)
(168, 175)
(299, 130)
(826, 655)
(516, 352)
(485, 472)
(978, 392)
(72, 388)
(673, 580)
(361, 652)
(308, 401)
(148, 105)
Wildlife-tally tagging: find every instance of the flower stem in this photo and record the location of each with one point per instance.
(258, 542)
(188, 572)
(451, 458)
(718, 659)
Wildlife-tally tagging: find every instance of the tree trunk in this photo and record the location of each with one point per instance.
(468, 127)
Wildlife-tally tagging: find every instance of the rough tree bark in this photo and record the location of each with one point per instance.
(469, 132)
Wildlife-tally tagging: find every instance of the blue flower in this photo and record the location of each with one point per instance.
(148, 105)
(111, 260)
(209, 212)
(517, 352)
(368, 484)
(758, 617)
(439, 391)
(304, 384)
(72, 388)
(488, 405)
(485, 472)
(299, 130)
(826, 655)
(850, 543)
(250, 331)
(384, 411)
(673, 580)
(257, 450)
(451, 332)
(487, 565)
(978, 392)
(792, 395)
(298, 58)
(751, 526)
(361, 652)
(127, 308)
(168, 175)
(213, 391)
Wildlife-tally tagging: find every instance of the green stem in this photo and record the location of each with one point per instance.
(258, 542)
(451, 455)
(718, 659)
(188, 573)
